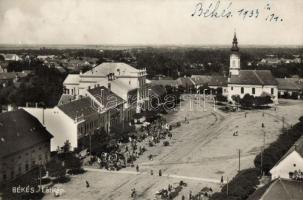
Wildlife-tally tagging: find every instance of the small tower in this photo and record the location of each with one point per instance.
(234, 65)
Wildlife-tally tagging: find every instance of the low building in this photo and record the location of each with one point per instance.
(291, 164)
(3, 66)
(11, 57)
(165, 82)
(289, 87)
(213, 82)
(24, 144)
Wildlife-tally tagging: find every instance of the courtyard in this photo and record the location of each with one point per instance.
(200, 152)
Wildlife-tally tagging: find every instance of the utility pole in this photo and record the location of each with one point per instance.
(227, 186)
(214, 103)
(90, 144)
(204, 100)
(239, 160)
(283, 121)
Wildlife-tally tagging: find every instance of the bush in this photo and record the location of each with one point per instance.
(45, 181)
(76, 171)
(62, 179)
(240, 187)
(166, 143)
(277, 149)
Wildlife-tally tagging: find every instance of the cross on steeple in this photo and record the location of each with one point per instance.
(235, 43)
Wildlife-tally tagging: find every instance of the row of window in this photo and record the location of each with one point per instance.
(253, 90)
(19, 171)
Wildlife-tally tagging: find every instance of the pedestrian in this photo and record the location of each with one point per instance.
(245, 115)
(222, 180)
(183, 197)
(151, 172)
(263, 125)
(160, 172)
(87, 184)
(137, 168)
(190, 194)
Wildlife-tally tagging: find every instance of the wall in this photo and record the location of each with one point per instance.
(248, 90)
(287, 165)
(24, 161)
(58, 124)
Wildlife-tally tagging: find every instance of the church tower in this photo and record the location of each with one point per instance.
(234, 65)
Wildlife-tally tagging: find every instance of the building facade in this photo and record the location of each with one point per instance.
(24, 144)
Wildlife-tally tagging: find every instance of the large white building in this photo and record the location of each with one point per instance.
(99, 109)
(126, 81)
(253, 82)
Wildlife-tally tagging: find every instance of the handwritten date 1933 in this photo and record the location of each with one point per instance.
(216, 9)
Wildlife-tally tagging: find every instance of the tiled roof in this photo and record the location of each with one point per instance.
(219, 81)
(158, 90)
(289, 84)
(280, 189)
(20, 130)
(78, 108)
(117, 68)
(106, 97)
(298, 147)
(164, 82)
(185, 82)
(65, 98)
(201, 79)
(12, 75)
(72, 79)
(253, 77)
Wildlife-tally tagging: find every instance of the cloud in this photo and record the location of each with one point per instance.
(140, 22)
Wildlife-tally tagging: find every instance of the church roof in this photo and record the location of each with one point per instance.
(253, 77)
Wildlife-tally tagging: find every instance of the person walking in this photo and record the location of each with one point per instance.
(160, 172)
(137, 168)
(87, 184)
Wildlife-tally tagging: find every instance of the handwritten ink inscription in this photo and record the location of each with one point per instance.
(216, 9)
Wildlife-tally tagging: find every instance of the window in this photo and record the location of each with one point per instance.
(234, 63)
(232, 88)
(26, 167)
(242, 90)
(272, 90)
(4, 176)
(253, 91)
(12, 174)
(295, 165)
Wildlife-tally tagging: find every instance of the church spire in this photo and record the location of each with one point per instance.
(235, 43)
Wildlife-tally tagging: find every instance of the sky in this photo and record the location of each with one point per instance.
(147, 22)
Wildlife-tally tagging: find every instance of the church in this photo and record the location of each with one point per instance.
(253, 82)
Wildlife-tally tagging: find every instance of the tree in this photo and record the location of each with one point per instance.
(247, 101)
(56, 169)
(66, 147)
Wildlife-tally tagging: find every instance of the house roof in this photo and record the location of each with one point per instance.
(12, 75)
(253, 77)
(106, 97)
(78, 108)
(219, 81)
(164, 82)
(72, 79)
(289, 84)
(20, 130)
(158, 90)
(280, 189)
(65, 98)
(298, 147)
(105, 68)
(185, 81)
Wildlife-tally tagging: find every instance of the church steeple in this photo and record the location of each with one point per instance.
(234, 66)
(235, 43)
